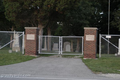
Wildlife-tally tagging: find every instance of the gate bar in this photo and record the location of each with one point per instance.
(82, 44)
(23, 44)
(110, 43)
(109, 35)
(10, 42)
(10, 32)
(99, 45)
(59, 43)
(39, 45)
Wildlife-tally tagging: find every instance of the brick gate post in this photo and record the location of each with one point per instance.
(31, 40)
(90, 42)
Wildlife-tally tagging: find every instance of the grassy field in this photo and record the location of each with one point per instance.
(12, 58)
(104, 65)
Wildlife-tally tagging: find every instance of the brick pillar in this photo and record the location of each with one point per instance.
(31, 40)
(90, 42)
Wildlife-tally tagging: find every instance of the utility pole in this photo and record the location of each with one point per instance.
(108, 23)
(109, 17)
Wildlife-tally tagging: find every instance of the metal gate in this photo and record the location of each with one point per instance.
(109, 45)
(11, 42)
(64, 45)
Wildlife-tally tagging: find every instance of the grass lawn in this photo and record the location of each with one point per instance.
(104, 65)
(12, 58)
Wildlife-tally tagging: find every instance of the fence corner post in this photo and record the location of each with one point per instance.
(31, 40)
(90, 42)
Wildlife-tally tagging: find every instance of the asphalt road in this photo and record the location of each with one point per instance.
(49, 68)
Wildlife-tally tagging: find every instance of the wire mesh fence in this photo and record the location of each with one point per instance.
(49, 45)
(72, 45)
(109, 46)
(65, 45)
(11, 42)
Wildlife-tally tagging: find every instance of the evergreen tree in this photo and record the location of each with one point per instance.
(4, 23)
(115, 22)
(83, 14)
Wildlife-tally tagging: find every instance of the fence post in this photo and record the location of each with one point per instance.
(99, 45)
(61, 45)
(82, 44)
(31, 41)
(23, 44)
(39, 44)
(90, 42)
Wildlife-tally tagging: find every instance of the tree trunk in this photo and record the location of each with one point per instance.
(78, 46)
(40, 29)
(49, 39)
(11, 37)
(40, 26)
(71, 45)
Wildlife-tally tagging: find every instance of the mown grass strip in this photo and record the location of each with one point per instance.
(12, 58)
(104, 65)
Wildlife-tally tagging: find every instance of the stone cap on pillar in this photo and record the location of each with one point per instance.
(31, 28)
(90, 28)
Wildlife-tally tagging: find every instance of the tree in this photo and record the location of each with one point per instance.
(103, 25)
(4, 23)
(30, 12)
(73, 14)
(77, 17)
(115, 22)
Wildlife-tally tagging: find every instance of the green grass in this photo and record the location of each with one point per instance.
(6, 50)
(104, 65)
(107, 55)
(12, 58)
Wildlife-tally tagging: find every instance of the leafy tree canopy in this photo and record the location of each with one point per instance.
(73, 14)
(4, 23)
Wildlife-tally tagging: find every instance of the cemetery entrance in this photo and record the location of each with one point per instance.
(64, 45)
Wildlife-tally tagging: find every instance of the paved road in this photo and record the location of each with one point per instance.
(49, 68)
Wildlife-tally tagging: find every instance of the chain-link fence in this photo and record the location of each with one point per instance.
(11, 42)
(109, 45)
(49, 45)
(65, 45)
(72, 45)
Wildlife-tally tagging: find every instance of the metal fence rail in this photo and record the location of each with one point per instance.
(49, 45)
(11, 42)
(72, 45)
(64, 45)
(109, 45)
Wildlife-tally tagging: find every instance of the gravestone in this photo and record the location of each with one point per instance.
(67, 47)
(16, 45)
(55, 47)
(45, 45)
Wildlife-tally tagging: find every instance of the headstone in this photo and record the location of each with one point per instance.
(55, 47)
(119, 47)
(16, 45)
(10, 51)
(67, 47)
(45, 45)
